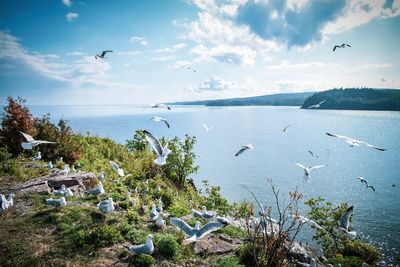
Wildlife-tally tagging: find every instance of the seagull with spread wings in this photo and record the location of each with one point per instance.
(103, 54)
(248, 147)
(161, 151)
(317, 105)
(307, 171)
(160, 119)
(195, 233)
(344, 224)
(341, 46)
(30, 142)
(354, 142)
(207, 128)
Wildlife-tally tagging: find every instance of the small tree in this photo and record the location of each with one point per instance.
(270, 241)
(16, 118)
(138, 143)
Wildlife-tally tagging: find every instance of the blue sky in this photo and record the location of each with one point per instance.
(238, 48)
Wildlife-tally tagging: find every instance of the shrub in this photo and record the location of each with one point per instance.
(143, 260)
(137, 236)
(228, 261)
(245, 255)
(362, 250)
(168, 246)
(100, 236)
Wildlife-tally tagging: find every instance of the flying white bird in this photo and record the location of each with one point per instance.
(161, 151)
(362, 180)
(160, 105)
(207, 128)
(117, 168)
(304, 220)
(312, 154)
(38, 156)
(195, 233)
(317, 105)
(248, 147)
(30, 142)
(355, 142)
(97, 190)
(103, 54)
(146, 248)
(106, 205)
(307, 171)
(344, 224)
(160, 119)
(285, 129)
(56, 202)
(6, 203)
(341, 46)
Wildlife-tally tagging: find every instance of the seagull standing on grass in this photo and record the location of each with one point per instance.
(307, 171)
(56, 202)
(106, 205)
(6, 203)
(119, 170)
(344, 224)
(317, 105)
(354, 142)
(159, 206)
(64, 171)
(146, 248)
(153, 213)
(97, 190)
(159, 220)
(30, 142)
(248, 147)
(195, 233)
(100, 177)
(103, 54)
(38, 156)
(161, 151)
(160, 119)
(50, 165)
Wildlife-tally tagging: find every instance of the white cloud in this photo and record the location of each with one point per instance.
(163, 58)
(129, 53)
(138, 40)
(75, 53)
(68, 3)
(286, 65)
(238, 55)
(71, 16)
(170, 49)
(215, 83)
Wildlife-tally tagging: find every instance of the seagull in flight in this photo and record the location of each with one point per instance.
(195, 233)
(285, 129)
(30, 142)
(161, 105)
(207, 128)
(103, 54)
(344, 224)
(341, 46)
(317, 105)
(158, 119)
(307, 171)
(189, 68)
(161, 151)
(307, 220)
(354, 142)
(248, 147)
(362, 180)
(312, 154)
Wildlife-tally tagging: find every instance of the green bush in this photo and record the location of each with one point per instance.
(168, 246)
(100, 236)
(245, 255)
(362, 250)
(232, 231)
(137, 236)
(144, 260)
(228, 261)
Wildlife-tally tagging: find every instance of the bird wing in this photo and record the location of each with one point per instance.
(301, 166)
(44, 142)
(317, 167)
(197, 213)
(334, 48)
(205, 127)
(154, 142)
(166, 122)
(370, 186)
(208, 228)
(375, 147)
(181, 225)
(345, 219)
(348, 45)
(243, 149)
(323, 101)
(286, 127)
(114, 165)
(139, 249)
(341, 136)
(28, 137)
(3, 201)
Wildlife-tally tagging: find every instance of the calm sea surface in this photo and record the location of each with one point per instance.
(376, 214)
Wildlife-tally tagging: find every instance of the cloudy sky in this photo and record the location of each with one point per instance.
(237, 48)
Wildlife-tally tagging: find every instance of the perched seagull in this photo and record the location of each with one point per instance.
(362, 180)
(195, 233)
(248, 147)
(159, 206)
(64, 191)
(145, 191)
(307, 220)
(100, 177)
(207, 128)
(30, 142)
(38, 156)
(161, 151)
(307, 171)
(97, 190)
(204, 214)
(355, 142)
(6, 203)
(158, 189)
(160, 105)
(103, 54)
(64, 171)
(146, 248)
(312, 154)
(340, 46)
(285, 129)
(56, 202)
(223, 220)
(106, 205)
(317, 105)
(153, 213)
(159, 220)
(158, 119)
(311, 264)
(344, 224)
(50, 165)
(117, 168)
